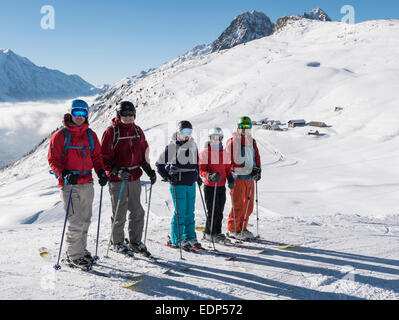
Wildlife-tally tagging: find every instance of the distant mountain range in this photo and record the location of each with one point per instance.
(22, 80)
(252, 25)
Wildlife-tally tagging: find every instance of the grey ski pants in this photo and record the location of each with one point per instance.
(79, 217)
(130, 200)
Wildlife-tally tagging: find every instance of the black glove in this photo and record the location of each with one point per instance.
(150, 173)
(213, 177)
(256, 173)
(124, 174)
(71, 178)
(173, 179)
(230, 182)
(115, 170)
(199, 181)
(102, 177)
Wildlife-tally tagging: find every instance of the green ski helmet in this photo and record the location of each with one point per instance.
(244, 123)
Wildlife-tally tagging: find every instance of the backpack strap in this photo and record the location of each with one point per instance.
(67, 140)
(91, 140)
(117, 135)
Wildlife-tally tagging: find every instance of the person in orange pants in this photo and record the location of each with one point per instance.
(243, 154)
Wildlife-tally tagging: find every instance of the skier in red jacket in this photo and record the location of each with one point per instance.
(125, 152)
(215, 168)
(243, 153)
(74, 151)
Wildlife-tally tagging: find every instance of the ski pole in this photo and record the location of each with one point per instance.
(257, 210)
(213, 213)
(148, 215)
(246, 210)
(57, 266)
(178, 224)
(96, 257)
(234, 213)
(116, 214)
(202, 198)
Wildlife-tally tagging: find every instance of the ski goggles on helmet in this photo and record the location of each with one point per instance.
(128, 113)
(186, 131)
(77, 112)
(245, 126)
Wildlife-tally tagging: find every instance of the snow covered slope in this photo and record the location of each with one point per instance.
(336, 193)
(21, 80)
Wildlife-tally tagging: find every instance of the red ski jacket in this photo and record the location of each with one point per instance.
(232, 148)
(212, 160)
(129, 151)
(81, 160)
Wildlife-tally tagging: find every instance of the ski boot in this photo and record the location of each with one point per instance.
(186, 245)
(138, 247)
(80, 263)
(236, 235)
(122, 248)
(89, 258)
(195, 244)
(221, 239)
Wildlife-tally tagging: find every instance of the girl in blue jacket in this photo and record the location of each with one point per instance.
(178, 165)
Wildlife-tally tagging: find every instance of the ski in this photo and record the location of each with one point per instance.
(288, 246)
(119, 273)
(227, 256)
(167, 265)
(130, 285)
(270, 243)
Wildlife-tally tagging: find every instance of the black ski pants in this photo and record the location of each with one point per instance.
(219, 207)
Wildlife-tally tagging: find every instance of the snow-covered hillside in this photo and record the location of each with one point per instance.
(335, 194)
(22, 80)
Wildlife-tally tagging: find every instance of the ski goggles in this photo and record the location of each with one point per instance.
(128, 113)
(216, 137)
(77, 112)
(245, 126)
(186, 132)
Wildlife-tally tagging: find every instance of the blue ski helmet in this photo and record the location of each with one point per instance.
(79, 105)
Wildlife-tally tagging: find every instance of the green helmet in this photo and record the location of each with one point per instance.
(244, 123)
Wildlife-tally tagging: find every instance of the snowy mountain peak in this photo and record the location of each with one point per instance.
(22, 80)
(316, 14)
(245, 27)
(6, 51)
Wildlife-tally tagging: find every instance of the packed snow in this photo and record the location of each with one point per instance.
(333, 195)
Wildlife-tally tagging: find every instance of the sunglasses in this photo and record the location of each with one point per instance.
(244, 126)
(128, 113)
(79, 113)
(187, 132)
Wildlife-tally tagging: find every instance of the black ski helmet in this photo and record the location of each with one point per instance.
(125, 107)
(184, 125)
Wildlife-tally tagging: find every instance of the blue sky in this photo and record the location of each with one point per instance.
(104, 41)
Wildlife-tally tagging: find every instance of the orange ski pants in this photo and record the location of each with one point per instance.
(240, 194)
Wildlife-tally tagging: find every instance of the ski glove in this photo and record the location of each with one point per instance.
(199, 181)
(256, 173)
(115, 170)
(124, 174)
(213, 177)
(150, 172)
(71, 178)
(230, 182)
(102, 177)
(173, 179)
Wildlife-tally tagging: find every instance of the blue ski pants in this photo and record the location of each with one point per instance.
(185, 209)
